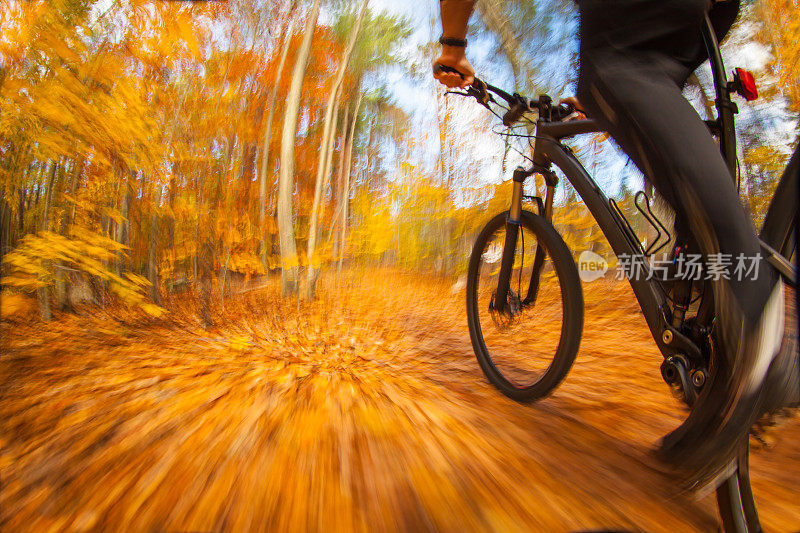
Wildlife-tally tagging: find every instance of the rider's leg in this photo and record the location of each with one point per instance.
(639, 101)
(637, 97)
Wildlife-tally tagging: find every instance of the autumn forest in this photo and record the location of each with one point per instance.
(234, 238)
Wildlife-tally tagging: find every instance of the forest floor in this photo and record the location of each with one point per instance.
(365, 410)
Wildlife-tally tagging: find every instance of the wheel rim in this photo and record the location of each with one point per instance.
(519, 346)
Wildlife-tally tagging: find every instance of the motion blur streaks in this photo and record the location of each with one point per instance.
(364, 410)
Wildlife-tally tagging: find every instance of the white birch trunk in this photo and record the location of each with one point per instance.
(289, 259)
(327, 142)
(346, 189)
(262, 179)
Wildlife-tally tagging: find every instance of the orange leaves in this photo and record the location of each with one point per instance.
(782, 33)
(167, 32)
(22, 22)
(187, 33)
(360, 412)
(16, 306)
(246, 263)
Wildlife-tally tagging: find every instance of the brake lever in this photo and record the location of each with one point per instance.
(478, 90)
(481, 95)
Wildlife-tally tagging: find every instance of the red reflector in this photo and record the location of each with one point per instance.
(747, 84)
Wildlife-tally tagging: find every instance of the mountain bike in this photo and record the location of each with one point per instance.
(524, 297)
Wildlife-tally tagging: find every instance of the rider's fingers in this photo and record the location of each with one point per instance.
(450, 79)
(577, 115)
(573, 101)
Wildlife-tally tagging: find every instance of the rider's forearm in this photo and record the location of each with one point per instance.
(455, 18)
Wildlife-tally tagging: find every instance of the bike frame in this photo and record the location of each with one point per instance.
(651, 295)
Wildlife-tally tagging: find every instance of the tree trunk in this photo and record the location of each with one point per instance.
(40, 181)
(227, 237)
(289, 260)
(205, 267)
(195, 258)
(492, 14)
(5, 224)
(262, 179)
(152, 250)
(44, 292)
(73, 190)
(339, 181)
(326, 154)
(125, 236)
(323, 168)
(346, 188)
(119, 233)
(329, 155)
(60, 277)
(21, 214)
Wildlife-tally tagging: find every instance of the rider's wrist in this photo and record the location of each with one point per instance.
(455, 52)
(456, 42)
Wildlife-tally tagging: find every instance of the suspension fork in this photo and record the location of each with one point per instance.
(546, 211)
(510, 245)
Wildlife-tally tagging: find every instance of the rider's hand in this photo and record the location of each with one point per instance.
(579, 113)
(454, 57)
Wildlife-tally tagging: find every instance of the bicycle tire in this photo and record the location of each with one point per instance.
(735, 500)
(571, 305)
(780, 223)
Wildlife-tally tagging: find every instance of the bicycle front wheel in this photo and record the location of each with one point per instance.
(526, 342)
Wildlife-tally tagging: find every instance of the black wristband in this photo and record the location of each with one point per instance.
(451, 41)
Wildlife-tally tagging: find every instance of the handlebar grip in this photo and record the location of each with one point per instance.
(514, 113)
(437, 68)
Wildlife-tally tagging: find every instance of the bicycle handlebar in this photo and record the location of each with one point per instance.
(515, 112)
(518, 105)
(478, 86)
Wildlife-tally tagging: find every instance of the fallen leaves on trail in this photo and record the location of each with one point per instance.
(14, 305)
(365, 410)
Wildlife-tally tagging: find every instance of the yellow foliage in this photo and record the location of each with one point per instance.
(245, 263)
(239, 344)
(781, 20)
(32, 263)
(152, 309)
(290, 261)
(137, 279)
(15, 304)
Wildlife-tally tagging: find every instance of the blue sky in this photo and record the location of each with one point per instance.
(415, 94)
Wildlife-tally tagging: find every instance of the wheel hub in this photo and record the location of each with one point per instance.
(513, 309)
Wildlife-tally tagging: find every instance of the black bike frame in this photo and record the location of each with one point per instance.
(735, 499)
(651, 295)
(734, 496)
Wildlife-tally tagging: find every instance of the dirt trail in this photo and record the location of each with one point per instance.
(364, 412)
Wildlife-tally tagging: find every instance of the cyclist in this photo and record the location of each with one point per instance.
(635, 56)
